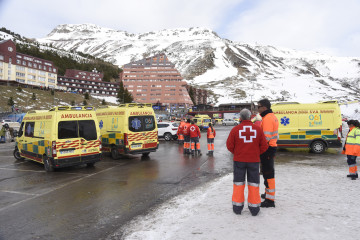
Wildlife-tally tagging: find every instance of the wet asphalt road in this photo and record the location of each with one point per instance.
(93, 203)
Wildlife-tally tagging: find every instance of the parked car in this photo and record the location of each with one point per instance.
(167, 130)
(229, 121)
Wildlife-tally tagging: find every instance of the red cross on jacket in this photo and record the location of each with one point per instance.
(194, 131)
(246, 141)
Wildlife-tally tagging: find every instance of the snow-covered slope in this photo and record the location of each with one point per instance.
(233, 71)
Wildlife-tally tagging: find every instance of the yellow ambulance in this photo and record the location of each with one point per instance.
(61, 137)
(202, 121)
(128, 129)
(315, 125)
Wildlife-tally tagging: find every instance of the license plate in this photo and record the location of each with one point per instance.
(136, 146)
(66, 151)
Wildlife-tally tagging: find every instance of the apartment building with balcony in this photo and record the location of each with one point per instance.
(25, 69)
(200, 95)
(156, 80)
(91, 82)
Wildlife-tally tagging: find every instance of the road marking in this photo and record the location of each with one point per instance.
(54, 189)
(31, 194)
(21, 170)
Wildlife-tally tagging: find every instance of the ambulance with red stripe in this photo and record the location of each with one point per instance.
(61, 137)
(128, 129)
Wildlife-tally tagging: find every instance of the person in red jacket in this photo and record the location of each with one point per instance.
(211, 133)
(246, 141)
(180, 132)
(194, 138)
(186, 133)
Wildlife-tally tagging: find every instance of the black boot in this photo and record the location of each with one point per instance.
(263, 195)
(193, 152)
(267, 203)
(353, 178)
(254, 210)
(199, 153)
(352, 175)
(237, 209)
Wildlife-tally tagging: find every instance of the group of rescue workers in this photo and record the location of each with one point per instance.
(254, 143)
(189, 135)
(250, 142)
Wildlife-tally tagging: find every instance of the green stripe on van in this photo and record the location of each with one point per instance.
(313, 132)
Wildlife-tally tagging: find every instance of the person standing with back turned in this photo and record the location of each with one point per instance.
(246, 141)
(270, 126)
(211, 133)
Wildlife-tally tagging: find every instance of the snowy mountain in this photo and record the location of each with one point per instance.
(232, 71)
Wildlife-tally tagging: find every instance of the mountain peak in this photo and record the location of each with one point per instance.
(231, 71)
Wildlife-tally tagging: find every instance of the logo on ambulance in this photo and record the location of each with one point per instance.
(285, 121)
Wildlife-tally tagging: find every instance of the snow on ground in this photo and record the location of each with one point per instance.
(107, 99)
(315, 200)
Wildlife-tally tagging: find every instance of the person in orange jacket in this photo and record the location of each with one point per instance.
(194, 138)
(270, 126)
(246, 141)
(352, 148)
(211, 133)
(180, 132)
(186, 133)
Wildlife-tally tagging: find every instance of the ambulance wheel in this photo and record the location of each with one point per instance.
(115, 153)
(17, 155)
(48, 165)
(146, 154)
(167, 136)
(90, 165)
(318, 147)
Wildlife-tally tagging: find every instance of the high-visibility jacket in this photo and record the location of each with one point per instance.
(180, 128)
(211, 134)
(352, 144)
(270, 126)
(2, 132)
(186, 129)
(194, 131)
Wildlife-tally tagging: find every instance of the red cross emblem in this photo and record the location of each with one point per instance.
(248, 134)
(192, 128)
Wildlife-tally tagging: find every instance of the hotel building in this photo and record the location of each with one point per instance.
(155, 80)
(91, 82)
(24, 69)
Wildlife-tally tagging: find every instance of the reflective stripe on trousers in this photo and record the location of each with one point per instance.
(251, 171)
(270, 191)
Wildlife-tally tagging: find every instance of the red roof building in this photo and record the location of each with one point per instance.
(25, 69)
(91, 82)
(156, 80)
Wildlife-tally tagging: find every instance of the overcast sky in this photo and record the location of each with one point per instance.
(328, 26)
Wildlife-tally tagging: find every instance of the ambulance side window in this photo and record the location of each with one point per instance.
(87, 130)
(67, 129)
(29, 129)
(21, 130)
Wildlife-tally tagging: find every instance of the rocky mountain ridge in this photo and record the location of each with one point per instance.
(231, 71)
